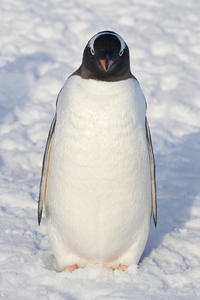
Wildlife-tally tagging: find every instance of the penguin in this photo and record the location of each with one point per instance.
(98, 176)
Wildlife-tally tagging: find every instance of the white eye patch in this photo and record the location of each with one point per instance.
(93, 39)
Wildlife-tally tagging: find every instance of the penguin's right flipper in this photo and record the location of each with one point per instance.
(45, 170)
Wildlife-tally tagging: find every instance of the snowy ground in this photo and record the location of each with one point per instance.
(41, 45)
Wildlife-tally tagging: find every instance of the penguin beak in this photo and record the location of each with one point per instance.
(106, 63)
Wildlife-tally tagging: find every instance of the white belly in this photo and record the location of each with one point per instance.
(99, 179)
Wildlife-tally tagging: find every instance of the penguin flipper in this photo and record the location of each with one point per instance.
(45, 170)
(152, 172)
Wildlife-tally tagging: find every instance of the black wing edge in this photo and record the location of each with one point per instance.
(44, 174)
(153, 173)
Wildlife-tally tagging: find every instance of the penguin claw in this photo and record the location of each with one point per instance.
(70, 268)
(122, 267)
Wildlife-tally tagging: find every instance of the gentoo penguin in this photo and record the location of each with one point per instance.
(98, 175)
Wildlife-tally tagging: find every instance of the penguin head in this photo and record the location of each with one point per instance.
(106, 58)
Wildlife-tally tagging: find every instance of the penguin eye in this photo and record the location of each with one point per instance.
(92, 51)
(121, 52)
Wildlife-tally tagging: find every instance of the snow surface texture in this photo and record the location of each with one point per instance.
(41, 45)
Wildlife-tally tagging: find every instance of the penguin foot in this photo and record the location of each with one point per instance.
(70, 268)
(122, 267)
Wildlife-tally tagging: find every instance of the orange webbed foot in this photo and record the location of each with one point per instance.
(122, 267)
(70, 268)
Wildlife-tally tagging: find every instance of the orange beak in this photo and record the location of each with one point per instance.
(106, 63)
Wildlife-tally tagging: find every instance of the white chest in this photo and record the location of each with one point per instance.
(99, 167)
(99, 116)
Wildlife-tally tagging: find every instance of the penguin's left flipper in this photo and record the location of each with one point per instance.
(45, 170)
(153, 174)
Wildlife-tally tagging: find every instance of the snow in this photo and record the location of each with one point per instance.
(41, 45)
